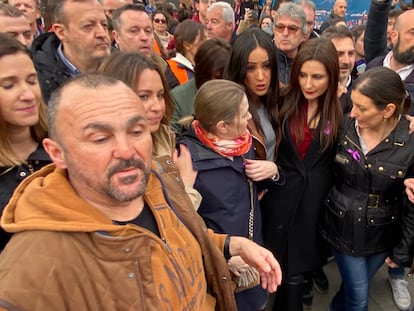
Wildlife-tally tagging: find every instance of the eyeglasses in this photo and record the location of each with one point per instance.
(160, 21)
(292, 29)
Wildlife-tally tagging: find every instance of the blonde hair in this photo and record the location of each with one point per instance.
(216, 100)
(10, 46)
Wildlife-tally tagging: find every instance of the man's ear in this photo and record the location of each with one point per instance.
(115, 36)
(55, 152)
(230, 26)
(60, 31)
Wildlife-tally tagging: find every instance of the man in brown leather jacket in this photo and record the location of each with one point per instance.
(97, 230)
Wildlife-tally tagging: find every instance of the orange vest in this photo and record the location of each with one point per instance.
(179, 71)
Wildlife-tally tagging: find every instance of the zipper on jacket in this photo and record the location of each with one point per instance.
(356, 146)
(166, 245)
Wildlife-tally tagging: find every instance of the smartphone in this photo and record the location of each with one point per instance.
(360, 66)
(255, 14)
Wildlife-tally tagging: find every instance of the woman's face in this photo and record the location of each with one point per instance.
(160, 23)
(313, 80)
(192, 48)
(365, 111)
(238, 126)
(266, 22)
(258, 74)
(20, 94)
(150, 90)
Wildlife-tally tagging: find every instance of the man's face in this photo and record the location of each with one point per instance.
(28, 7)
(106, 124)
(111, 5)
(340, 8)
(18, 28)
(390, 27)
(135, 33)
(85, 34)
(346, 55)
(288, 35)
(402, 38)
(215, 25)
(310, 20)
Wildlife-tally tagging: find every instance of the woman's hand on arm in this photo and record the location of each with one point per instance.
(409, 189)
(182, 159)
(258, 170)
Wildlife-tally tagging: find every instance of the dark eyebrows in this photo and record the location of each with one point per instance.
(135, 120)
(107, 127)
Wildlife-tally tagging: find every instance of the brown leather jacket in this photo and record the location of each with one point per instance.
(66, 255)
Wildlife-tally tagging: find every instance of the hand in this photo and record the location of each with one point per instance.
(258, 170)
(341, 90)
(247, 15)
(260, 258)
(409, 189)
(391, 263)
(411, 120)
(185, 165)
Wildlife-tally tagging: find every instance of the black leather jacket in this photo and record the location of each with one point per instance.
(12, 176)
(51, 71)
(366, 211)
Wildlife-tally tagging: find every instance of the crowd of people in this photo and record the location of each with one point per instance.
(203, 155)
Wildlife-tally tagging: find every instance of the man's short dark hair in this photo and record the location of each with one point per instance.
(116, 15)
(333, 32)
(89, 81)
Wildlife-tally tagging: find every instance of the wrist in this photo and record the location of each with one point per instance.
(226, 249)
(276, 176)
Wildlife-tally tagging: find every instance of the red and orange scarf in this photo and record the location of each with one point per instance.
(225, 147)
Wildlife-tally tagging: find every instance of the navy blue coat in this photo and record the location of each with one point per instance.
(223, 186)
(225, 204)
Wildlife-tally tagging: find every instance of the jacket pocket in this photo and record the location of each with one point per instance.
(383, 227)
(345, 167)
(335, 217)
(390, 169)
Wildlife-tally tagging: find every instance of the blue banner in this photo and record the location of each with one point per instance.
(356, 13)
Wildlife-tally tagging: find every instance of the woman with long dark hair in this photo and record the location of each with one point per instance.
(367, 218)
(310, 116)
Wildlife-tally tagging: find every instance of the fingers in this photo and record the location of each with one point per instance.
(270, 272)
(390, 263)
(411, 120)
(409, 189)
(258, 170)
(175, 155)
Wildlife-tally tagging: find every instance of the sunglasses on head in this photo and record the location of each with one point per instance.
(292, 29)
(160, 21)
